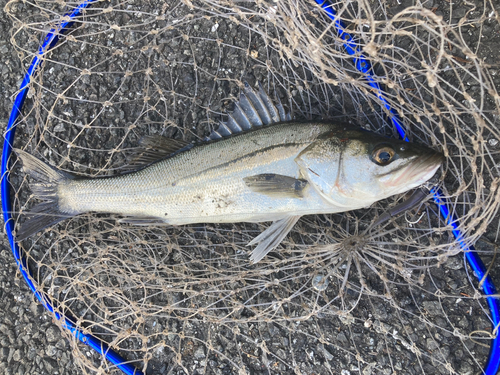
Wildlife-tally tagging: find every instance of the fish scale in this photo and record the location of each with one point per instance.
(275, 172)
(212, 170)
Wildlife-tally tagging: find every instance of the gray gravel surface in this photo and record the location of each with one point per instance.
(30, 343)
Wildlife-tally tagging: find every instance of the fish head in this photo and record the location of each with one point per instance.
(354, 169)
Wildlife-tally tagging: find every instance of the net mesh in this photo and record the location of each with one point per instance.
(335, 297)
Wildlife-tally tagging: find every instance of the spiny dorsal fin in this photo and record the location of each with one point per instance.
(153, 148)
(250, 111)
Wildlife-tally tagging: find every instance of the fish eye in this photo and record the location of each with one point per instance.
(383, 155)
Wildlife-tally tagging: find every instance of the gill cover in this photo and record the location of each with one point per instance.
(354, 169)
(322, 164)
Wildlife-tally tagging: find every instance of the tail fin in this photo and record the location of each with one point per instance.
(45, 188)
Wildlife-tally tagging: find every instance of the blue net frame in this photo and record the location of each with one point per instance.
(362, 65)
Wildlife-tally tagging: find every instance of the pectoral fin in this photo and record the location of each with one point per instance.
(276, 185)
(272, 237)
(417, 197)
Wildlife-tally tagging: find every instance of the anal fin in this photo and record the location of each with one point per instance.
(276, 185)
(272, 237)
(141, 220)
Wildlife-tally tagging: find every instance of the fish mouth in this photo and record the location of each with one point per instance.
(418, 171)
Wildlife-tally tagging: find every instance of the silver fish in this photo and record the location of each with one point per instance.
(256, 167)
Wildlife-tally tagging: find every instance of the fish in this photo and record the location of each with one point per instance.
(258, 166)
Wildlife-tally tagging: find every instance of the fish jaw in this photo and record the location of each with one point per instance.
(414, 173)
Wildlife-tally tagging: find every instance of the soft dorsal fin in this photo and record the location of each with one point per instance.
(250, 111)
(153, 148)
